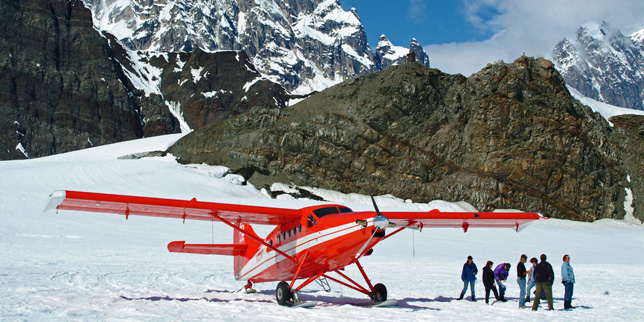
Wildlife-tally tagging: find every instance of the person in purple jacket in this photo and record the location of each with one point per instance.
(501, 273)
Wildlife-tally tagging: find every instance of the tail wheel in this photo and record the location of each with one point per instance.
(283, 293)
(380, 293)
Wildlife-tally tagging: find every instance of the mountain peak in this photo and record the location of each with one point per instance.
(383, 38)
(603, 64)
(638, 37)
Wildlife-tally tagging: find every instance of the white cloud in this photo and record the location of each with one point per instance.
(530, 27)
(416, 11)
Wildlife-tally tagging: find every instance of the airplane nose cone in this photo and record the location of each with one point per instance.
(380, 222)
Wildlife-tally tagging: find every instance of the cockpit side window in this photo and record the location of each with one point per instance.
(311, 221)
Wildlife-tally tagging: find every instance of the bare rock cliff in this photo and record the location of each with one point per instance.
(509, 136)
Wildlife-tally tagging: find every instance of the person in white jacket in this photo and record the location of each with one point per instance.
(568, 280)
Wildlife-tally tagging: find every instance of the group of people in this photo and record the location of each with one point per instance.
(540, 275)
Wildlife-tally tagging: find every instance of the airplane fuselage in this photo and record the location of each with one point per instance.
(330, 242)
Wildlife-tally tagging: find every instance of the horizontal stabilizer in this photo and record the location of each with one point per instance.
(207, 249)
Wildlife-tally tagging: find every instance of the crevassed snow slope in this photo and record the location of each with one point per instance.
(75, 266)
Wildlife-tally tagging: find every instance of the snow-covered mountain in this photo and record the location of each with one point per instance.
(387, 54)
(303, 45)
(603, 64)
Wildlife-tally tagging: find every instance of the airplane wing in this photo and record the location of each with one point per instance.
(169, 208)
(465, 220)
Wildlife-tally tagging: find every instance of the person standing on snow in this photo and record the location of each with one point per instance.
(568, 280)
(468, 276)
(521, 279)
(488, 282)
(501, 273)
(544, 276)
(531, 283)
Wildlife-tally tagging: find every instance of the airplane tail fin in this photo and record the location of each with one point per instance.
(252, 246)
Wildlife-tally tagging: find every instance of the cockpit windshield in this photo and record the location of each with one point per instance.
(345, 210)
(321, 212)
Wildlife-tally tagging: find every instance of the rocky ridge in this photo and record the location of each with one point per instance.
(509, 137)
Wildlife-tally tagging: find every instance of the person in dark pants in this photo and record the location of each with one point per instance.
(531, 284)
(568, 280)
(544, 276)
(468, 276)
(488, 282)
(521, 279)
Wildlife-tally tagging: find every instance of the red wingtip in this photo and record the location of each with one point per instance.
(176, 246)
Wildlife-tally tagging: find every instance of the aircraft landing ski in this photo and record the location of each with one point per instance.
(307, 304)
(387, 303)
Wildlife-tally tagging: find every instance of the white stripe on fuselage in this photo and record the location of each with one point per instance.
(257, 264)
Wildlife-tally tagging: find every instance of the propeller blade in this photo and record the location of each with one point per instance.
(380, 221)
(375, 206)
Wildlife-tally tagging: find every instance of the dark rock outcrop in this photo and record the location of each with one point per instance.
(629, 131)
(206, 88)
(64, 86)
(509, 136)
(60, 88)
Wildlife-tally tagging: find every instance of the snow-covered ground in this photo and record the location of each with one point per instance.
(605, 110)
(72, 266)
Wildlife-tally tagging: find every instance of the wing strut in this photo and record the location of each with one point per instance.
(257, 239)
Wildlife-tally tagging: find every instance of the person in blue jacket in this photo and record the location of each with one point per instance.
(468, 276)
(501, 273)
(568, 280)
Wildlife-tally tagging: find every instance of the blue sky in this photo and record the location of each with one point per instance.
(430, 22)
(462, 36)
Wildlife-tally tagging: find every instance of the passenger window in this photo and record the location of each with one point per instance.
(288, 233)
(299, 228)
(294, 231)
(278, 238)
(283, 236)
(270, 242)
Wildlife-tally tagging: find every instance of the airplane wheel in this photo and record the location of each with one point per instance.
(283, 293)
(380, 294)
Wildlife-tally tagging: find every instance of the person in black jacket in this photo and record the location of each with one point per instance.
(544, 276)
(488, 282)
(521, 279)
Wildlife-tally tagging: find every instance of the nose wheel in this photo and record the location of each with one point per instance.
(379, 293)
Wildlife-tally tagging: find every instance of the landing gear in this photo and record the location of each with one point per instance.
(249, 288)
(283, 293)
(379, 293)
(287, 295)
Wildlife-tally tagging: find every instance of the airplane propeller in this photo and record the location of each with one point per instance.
(380, 222)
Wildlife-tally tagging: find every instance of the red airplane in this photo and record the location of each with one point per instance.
(306, 243)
